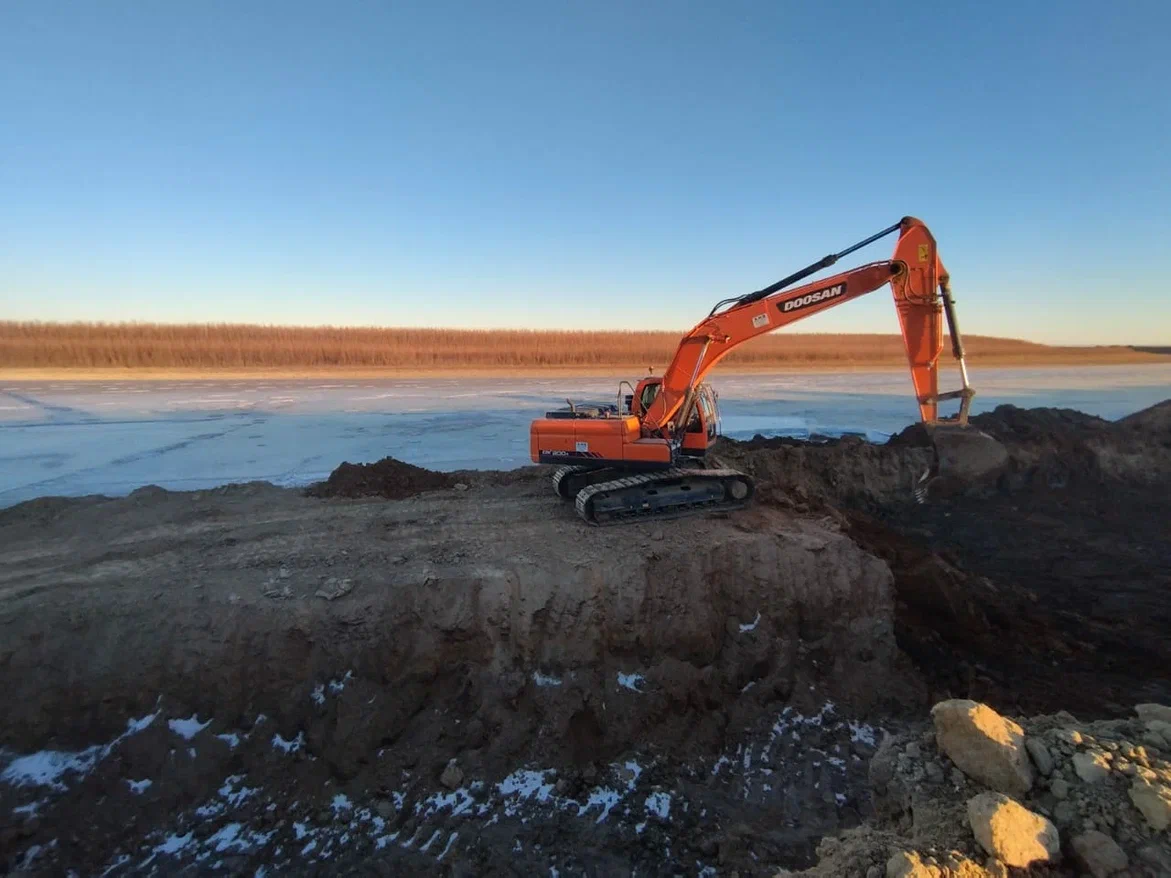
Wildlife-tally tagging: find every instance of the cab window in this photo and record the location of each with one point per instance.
(648, 395)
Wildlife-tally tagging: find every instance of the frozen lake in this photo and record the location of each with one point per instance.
(62, 438)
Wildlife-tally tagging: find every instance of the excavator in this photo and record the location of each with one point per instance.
(645, 456)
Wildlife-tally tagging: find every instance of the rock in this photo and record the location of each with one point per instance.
(908, 864)
(1059, 788)
(1091, 767)
(995, 868)
(1012, 833)
(1064, 813)
(1154, 739)
(1154, 801)
(984, 745)
(452, 776)
(934, 772)
(1066, 736)
(1148, 712)
(1160, 728)
(1042, 758)
(874, 872)
(1098, 854)
(384, 809)
(1155, 856)
(957, 777)
(913, 751)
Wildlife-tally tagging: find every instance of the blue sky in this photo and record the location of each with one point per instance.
(592, 164)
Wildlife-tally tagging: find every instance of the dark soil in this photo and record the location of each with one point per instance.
(387, 478)
(1049, 588)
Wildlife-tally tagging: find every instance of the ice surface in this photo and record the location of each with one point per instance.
(71, 438)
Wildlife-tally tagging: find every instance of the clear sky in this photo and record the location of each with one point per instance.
(580, 164)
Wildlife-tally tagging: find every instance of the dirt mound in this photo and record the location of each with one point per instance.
(1105, 786)
(251, 678)
(1154, 420)
(1041, 590)
(849, 471)
(387, 478)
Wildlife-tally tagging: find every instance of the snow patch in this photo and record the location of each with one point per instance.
(30, 810)
(173, 844)
(863, 733)
(138, 787)
(459, 801)
(231, 739)
(187, 728)
(658, 804)
(47, 767)
(522, 785)
(545, 680)
(751, 626)
(292, 746)
(603, 797)
(235, 797)
(631, 681)
(336, 686)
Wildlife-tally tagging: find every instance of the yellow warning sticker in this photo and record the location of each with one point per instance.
(924, 252)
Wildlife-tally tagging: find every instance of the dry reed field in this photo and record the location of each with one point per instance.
(211, 347)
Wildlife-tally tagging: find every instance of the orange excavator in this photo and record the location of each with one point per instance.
(644, 456)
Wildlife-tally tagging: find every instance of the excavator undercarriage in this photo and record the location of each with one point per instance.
(611, 497)
(645, 457)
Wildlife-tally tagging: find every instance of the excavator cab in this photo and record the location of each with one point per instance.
(703, 424)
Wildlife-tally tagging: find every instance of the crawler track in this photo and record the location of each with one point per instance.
(673, 493)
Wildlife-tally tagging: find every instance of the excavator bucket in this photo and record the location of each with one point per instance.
(964, 458)
(963, 455)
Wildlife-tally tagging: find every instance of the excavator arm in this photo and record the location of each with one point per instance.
(914, 273)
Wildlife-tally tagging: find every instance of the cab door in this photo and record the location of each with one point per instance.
(702, 427)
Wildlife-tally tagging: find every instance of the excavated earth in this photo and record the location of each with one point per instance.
(469, 681)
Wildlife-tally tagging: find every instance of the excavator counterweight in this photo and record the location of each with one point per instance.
(644, 456)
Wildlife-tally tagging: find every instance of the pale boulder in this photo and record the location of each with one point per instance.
(986, 746)
(1154, 801)
(1161, 728)
(1148, 712)
(1091, 767)
(1012, 833)
(1098, 854)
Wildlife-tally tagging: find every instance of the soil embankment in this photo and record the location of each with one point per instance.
(468, 680)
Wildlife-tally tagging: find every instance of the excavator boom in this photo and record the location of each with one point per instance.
(640, 464)
(914, 273)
